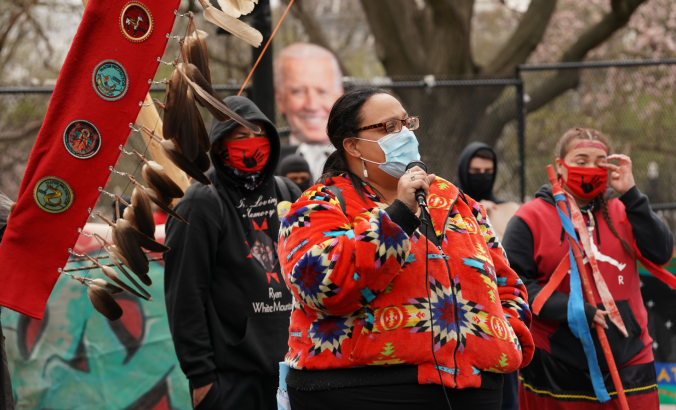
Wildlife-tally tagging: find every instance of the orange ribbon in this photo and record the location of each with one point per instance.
(606, 297)
(553, 283)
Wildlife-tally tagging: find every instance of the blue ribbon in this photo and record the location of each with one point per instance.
(577, 319)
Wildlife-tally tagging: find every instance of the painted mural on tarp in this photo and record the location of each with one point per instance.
(660, 302)
(77, 359)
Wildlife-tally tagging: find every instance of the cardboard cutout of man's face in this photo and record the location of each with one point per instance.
(306, 96)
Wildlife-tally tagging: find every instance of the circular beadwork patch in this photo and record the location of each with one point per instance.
(53, 195)
(499, 328)
(136, 22)
(110, 80)
(82, 139)
(391, 318)
(437, 201)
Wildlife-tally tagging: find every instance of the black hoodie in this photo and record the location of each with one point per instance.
(463, 172)
(227, 304)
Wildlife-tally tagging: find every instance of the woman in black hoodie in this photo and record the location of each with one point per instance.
(228, 311)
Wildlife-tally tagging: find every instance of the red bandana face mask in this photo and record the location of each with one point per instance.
(249, 155)
(586, 182)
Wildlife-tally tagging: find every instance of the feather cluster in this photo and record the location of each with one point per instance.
(236, 8)
(131, 234)
(227, 19)
(185, 138)
(185, 142)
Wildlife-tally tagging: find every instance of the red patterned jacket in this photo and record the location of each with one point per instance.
(361, 294)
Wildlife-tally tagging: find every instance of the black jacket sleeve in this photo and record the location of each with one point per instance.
(187, 277)
(518, 244)
(401, 215)
(653, 237)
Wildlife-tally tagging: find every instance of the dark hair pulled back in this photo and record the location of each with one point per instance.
(344, 119)
(565, 144)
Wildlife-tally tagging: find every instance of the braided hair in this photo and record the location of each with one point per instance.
(603, 202)
(562, 148)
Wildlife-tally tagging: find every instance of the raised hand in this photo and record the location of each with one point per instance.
(621, 177)
(409, 183)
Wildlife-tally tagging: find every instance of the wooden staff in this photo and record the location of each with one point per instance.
(589, 294)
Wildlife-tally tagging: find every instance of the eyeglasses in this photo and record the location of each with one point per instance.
(395, 126)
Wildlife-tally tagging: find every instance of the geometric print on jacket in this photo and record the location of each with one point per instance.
(360, 288)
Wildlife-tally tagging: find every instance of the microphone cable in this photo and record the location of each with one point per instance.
(429, 302)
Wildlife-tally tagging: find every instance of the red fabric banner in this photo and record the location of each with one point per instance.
(97, 95)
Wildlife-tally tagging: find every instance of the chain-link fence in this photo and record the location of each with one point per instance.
(630, 102)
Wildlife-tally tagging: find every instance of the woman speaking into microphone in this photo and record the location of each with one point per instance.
(396, 307)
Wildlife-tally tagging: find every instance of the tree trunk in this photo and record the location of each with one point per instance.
(436, 40)
(411, 41)
(563, 80)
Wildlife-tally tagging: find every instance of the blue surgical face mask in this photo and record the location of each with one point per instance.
(400, 149)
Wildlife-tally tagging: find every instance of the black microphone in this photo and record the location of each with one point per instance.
(419, 193)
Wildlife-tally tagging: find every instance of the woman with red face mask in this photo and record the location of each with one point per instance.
(559, 377)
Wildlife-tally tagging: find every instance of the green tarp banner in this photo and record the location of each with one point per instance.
(76, 359)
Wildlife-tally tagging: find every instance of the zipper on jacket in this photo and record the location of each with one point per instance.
(455, 317)
(455, 300)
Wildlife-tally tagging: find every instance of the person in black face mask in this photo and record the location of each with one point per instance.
(476, 176)
(476, 172)
(296, 168)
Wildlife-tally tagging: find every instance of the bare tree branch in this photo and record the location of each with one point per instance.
(512, 10)
(26, 131)
(524, 40)
(313, 30)
(447, 40)
(12, 21)
(451, 12)
(489, 130)
(41, 34)
(22, 32)
(617, 18)
(411, 41)
(229, 63)
(396, 26)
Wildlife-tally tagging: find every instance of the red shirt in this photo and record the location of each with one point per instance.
(624, 284)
